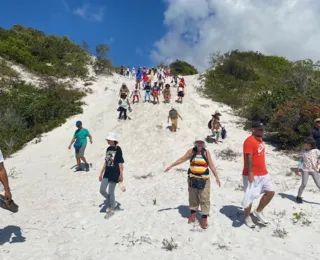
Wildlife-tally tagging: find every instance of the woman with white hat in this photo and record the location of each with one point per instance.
(112, 172)
(198, 180)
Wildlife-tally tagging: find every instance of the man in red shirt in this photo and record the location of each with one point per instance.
(255, 172)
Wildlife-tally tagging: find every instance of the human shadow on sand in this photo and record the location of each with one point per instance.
(7, 232)
(183, 210)
(105, 205)
(293, 198)
(234, 213)
(170, 128)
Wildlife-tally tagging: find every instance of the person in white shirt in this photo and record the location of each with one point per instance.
(133, 72)
(4, 179)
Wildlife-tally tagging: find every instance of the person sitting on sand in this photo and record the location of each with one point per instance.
(173, 116)
(198, 180)
(80, 143)
(216, 126)
(166, 93)
(124, 91)
(111, 173)
(308, 164)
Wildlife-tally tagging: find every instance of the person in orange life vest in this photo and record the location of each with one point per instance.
(136, 94)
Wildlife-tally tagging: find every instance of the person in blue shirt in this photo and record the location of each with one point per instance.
(139, 77)
(316, 132)
(80, 143)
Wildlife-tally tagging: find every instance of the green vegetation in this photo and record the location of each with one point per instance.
(46, 54)
(26, 111)
(102, 63)
(282, 94)
(179, 67)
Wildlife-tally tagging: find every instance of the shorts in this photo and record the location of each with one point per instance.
(138, 81)
(80, 152)
(180, 94)
(261, 183)
(155, 93)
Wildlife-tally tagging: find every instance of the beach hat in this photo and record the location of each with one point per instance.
(317, 120)
(112, 137)
(258, 125)
(78, 123)
(200, 139)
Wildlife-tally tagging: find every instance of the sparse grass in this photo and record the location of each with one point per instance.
(149, 175)
(38, 140)
(204, 105)
(131, 240)
(88, 84)
(180, 170)
(301, 218)
(228, 154)
(13, 173)
(154, 201)
(288, 174)
(239, 188)
(221, 246)
(280, 233)
(6, 71)
(169, 245)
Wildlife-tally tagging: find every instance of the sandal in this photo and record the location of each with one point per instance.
(8, 205)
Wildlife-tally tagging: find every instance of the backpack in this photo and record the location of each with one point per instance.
(173, 113)
(209, 124)
(224, 133)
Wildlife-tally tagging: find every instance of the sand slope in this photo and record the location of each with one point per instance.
(60, 210)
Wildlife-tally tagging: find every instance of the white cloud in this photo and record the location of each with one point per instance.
(90, 12)
(196, 28)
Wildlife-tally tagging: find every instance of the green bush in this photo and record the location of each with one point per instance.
(46, 54)
(27, 112)
(179, 67)
(282, 94)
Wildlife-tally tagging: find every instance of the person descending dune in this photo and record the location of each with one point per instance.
(198, 180)
(155, 93)
(124, 91)
(174, 116)
(135, 94)
(124, 105)
(139, 77)
(180, 91)
(147, 90)
(166, 93)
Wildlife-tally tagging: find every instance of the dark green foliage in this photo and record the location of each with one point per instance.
(179, 67)
(282, 94)
(46, 54)
(27, 112)
(102, 64)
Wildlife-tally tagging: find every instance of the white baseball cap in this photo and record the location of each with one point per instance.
(112, 137)
(200, 139)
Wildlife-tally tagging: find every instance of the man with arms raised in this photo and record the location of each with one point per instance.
(255, 171)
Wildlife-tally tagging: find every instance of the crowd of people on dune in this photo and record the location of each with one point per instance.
(256, 177)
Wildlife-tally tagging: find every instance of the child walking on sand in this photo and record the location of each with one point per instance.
(308, 164)
(136, 94)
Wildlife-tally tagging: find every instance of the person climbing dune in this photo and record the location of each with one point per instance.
(135, 94)
(139, 77)
(147, 90)
(155, 93)
(174, 116)
(124, 91)
(180, 92)
(198, 180)
(124, 106)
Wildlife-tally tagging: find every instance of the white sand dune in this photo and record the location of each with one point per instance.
(60, 216)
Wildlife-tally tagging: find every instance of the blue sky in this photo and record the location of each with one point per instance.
(129, 27)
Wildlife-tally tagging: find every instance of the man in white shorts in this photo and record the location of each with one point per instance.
(255, 171)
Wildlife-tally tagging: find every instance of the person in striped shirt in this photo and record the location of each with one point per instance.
(198, 180)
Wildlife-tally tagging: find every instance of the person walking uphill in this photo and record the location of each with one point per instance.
(111, 173)
(255, 172)
(308, 164)
(198, 180)
(174, 116)
(80, 143)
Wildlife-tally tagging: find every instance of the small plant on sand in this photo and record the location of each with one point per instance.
(221, 246)
(38, 140)
(228, 154)
(239, 188)
(169, 245)
(288, 174)
(13, 173)
(154, 201)
(301, 218)
(131, 240)
(149, 175)
(280, 233)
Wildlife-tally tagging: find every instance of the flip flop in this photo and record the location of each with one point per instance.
(8, 205)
